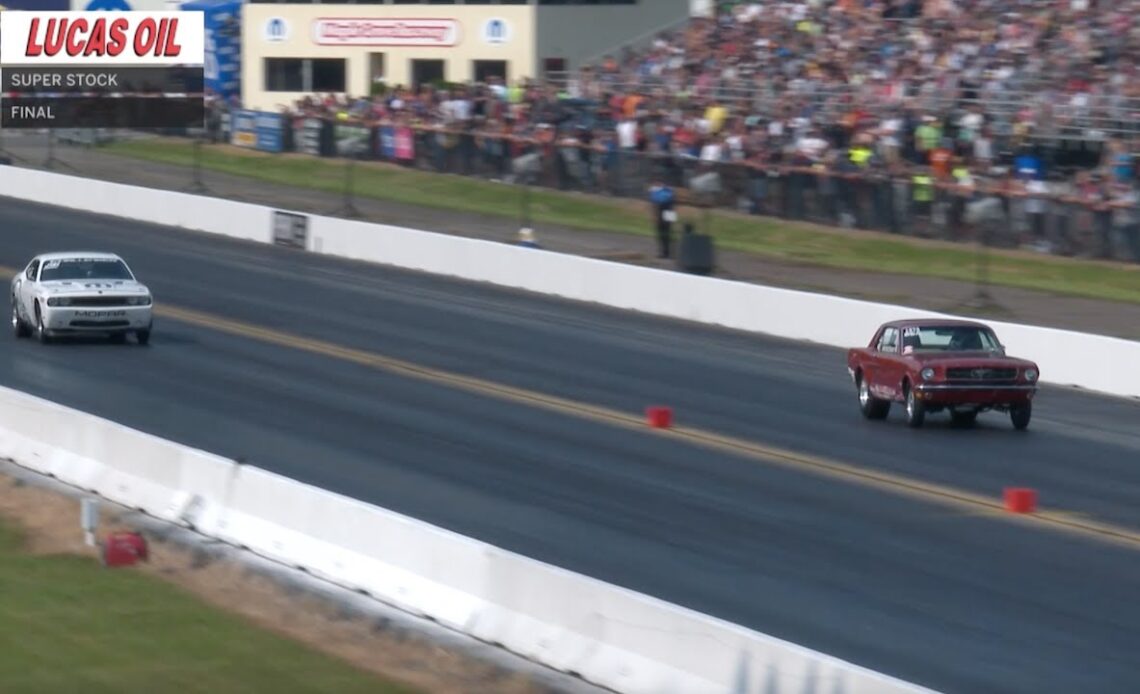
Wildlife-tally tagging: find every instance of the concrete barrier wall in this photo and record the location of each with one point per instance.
(1095, 362)
(609, 636)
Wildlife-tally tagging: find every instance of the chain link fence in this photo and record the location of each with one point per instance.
(1086, 216)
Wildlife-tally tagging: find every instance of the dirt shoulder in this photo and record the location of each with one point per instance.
(50, 522)
(1003, 303)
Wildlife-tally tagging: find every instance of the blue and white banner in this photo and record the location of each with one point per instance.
(243, 129)
(386, 143)
(223, 44)
(270, 128)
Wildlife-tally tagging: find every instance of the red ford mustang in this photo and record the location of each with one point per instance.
(934, 365)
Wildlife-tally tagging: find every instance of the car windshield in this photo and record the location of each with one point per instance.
(949, 338)
(84, 269)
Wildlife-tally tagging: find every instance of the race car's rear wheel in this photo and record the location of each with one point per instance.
(1020, 415)
(869, 405)
(915, 409)
(19, 328)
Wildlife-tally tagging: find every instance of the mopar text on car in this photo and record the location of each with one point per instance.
(935, 365)
(80, 293)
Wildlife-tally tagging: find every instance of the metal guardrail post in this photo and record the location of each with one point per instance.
(349, 209)
(196, 184)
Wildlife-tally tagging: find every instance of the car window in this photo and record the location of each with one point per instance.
(950, 338)
(85, 269)
(889, 341)
(32, 268)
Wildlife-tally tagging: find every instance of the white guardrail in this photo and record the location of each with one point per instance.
(609, 636)
(1095, 362)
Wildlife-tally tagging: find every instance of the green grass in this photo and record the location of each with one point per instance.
(69, 625)
(772, 239)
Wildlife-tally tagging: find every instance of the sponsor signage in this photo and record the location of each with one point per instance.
(223, 44)
(290, 230)
(243, 129)
(102, 38)
(350, 31)
(496, 31)
(276, 29)
(270, 132)
(100, 314)
(101, 69)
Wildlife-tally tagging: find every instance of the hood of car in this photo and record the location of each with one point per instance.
(979, 359)
(86, 287)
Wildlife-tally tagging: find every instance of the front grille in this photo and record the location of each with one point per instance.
(99, 301)
(981, 374)
(99, 323)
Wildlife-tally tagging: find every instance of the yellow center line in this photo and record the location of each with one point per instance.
(899, 485)
(947, 496)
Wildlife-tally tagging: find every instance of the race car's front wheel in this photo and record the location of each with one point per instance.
(18, 326)
(1019, 415)
(41, 332)
(915, 409)
(143, 336)
(869, 405)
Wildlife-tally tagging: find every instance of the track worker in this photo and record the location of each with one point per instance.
(662, 200)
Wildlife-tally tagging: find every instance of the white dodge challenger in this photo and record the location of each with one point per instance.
(80, 293)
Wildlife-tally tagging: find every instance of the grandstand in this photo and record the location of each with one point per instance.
(884, 114)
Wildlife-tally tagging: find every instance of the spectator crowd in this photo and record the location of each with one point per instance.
(906, 115)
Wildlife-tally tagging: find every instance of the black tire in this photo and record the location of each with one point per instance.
(19, 327)
(963, 418)
(869, 405)
(41, 333)
(915, 408)
(1020, 415)
(143, 336)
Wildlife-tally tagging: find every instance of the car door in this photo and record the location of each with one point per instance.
(887, 373)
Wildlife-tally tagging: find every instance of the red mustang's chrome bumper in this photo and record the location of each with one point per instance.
(974, 394)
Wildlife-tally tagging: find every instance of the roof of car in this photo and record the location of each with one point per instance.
(79, 254)
(913, 322)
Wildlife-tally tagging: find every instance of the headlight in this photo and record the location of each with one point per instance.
(138, 301)
(927, 374)
(58, 301)
(1031, 374)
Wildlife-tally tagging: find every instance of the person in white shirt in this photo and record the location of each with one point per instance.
(1036, 206)
(712, 151)
(627, 134)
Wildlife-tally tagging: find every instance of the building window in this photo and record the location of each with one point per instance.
(328, 75)
(305, 74)
(484, 70)
(284, 75)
